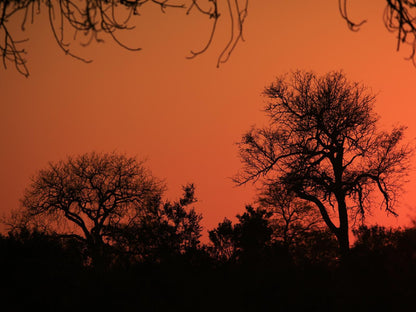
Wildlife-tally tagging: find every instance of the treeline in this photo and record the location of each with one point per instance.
(95, 231)
(244, 266)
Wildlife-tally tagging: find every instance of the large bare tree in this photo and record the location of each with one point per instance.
(322, 144)
(112, 205)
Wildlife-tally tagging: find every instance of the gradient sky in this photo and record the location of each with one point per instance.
(185, 116)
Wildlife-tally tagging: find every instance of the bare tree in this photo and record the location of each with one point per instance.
(322, 144)
(86, 196)
(291, 217)
(85, 20)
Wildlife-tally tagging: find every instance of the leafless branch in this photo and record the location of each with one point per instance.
(92, 18)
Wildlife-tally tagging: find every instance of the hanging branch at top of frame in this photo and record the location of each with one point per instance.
(399, 17)
(93, 17)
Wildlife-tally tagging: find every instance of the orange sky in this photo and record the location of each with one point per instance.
(185, 116)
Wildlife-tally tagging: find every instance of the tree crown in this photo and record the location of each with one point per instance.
(92, 191)
(322, 144)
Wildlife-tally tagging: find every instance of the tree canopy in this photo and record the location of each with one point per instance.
(109, 201)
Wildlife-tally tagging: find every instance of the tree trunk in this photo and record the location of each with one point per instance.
(343, 241)
(96, 249)
(342, 233)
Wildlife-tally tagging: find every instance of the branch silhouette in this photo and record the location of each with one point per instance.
(91, 18)
(399, 17)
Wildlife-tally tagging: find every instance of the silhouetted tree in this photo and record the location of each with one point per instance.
(88, 196)
(223, 241)
(253, 232)
(322, 145)
(168, 230)
(297, 227)
(244, 241)
(290, 217)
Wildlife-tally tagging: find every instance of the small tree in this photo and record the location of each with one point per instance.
(291, 217)
(88, 196)
(223, 241)
(322, 145)
(244, 241)
(170, 230)
(253, 233)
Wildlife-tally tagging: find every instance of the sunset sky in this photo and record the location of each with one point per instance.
(185, 116)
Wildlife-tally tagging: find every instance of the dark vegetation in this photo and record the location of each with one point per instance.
(94, 232)
(251, 271)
